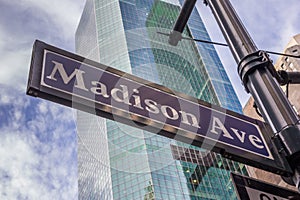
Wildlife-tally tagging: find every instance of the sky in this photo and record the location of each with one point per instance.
(38, 153)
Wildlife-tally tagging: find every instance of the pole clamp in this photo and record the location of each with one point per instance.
(253, 61)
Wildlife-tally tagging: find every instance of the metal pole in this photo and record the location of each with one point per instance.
(257, 73)
(271, 100)
(175, 35)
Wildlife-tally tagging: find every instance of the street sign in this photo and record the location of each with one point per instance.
(77, 82)
(251, 189)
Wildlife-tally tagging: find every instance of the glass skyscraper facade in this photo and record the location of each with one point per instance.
(117, 161)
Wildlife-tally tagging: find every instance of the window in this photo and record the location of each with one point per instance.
(291, 66)
(286, 59)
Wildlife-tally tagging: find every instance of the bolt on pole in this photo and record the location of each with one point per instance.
(259, 78)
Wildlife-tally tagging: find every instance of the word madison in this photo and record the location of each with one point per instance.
(106, 88)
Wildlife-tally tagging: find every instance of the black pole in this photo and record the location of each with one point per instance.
(257, 79)
(258, 75)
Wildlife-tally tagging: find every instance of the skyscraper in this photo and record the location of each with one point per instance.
(120, 162)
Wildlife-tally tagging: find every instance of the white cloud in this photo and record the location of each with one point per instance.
(64, 14)
(25, 174)
(4, 99)
(14, 68)
(16, 165)
(22, 22)
(43, 107)
(270, 22)
(37, 148)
